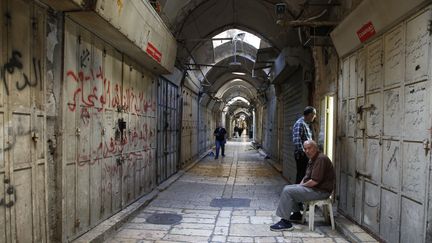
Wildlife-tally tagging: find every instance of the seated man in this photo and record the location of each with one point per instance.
(318, 183)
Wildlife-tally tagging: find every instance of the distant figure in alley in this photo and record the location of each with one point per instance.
(220, 140)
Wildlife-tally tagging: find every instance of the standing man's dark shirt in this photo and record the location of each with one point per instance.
(220, 137)
(302, 132)
(220, 133)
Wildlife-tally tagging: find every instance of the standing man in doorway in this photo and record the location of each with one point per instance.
(302, 131)
(220, 136)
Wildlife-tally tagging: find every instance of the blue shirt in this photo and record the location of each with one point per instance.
(301, 133)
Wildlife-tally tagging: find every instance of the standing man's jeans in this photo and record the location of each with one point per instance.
(292, 195)
(220, 145)
(301, 163)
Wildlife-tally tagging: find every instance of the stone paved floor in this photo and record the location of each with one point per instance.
(243, 173)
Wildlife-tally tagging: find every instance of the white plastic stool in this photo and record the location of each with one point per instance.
(311, 204)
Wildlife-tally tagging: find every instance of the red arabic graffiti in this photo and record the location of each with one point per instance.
(95, 90)
(134, 140)
(121, 154)
(136, 162)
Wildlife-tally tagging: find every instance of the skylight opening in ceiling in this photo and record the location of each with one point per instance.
(249, 38)
(236, 99)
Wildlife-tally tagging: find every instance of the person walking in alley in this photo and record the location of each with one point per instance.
(220, 139)
(318, 183)
(302, 132)
(236, 130)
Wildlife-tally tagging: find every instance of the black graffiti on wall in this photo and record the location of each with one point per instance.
(13, 64)
(85, 58)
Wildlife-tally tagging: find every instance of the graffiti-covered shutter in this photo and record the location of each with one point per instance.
(109, 124)
(23, 206)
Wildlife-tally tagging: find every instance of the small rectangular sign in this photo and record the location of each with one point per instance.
(154, 52)
(366, 31)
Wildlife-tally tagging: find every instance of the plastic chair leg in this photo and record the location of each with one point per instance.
(331, 216)
(311, 216)
(305, 205)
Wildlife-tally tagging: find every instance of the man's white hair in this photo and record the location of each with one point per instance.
(311, 142)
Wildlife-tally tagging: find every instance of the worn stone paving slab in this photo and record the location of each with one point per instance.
(265, 239)
(141, 234)
(252, 230)
(243, 174)
(240, 239)
(186, 238)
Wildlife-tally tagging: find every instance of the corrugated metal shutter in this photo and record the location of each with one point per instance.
(294, 99)
(204, 129)
(189, 132)
(272, 136)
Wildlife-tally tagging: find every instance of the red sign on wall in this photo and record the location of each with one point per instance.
(154, 52)
(366, 31)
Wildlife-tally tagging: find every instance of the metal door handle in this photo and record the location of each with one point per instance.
(35, 136)
(1, 202)
(426, 146)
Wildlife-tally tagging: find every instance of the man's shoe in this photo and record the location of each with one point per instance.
(282, 225)
(216, 157)
(296, 217)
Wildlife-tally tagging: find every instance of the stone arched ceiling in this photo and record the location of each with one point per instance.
(225, 85)
(191, 18)
(195, 22)
(230, 90)
(241, 111)
(206, 54)
(228, 85)
(195, 19)
(239, 89)
(214, 75)
(238, 106)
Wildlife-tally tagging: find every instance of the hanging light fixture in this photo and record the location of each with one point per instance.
(237, 37)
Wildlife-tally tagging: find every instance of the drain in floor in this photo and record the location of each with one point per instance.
(164, 218)
(230, 202)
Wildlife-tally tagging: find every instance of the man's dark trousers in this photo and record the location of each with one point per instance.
(220, 144)
(301, 163)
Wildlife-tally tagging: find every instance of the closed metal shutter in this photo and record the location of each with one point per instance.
(109, 124)
(167, 132)
(23, 150)
(294, 99)
(384, 132)
(270, 127)
(189, 132)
